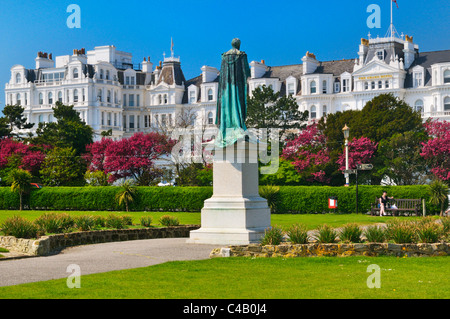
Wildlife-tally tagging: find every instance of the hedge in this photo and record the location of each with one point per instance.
(290, 199)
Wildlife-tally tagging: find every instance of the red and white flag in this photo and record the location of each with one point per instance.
(395, 3)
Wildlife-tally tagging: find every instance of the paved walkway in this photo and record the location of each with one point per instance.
(101, 258)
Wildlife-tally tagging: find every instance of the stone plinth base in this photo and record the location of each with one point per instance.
(235, 214)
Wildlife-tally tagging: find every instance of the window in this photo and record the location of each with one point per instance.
(159, 99)
(145, 120)
(372, 85)
(83, 95)
(124, 100)
(191, 97)
(165, 99)
(60, 97)
(41, 118)
(324, 111)
(324, 87)
(346, 85)
(337, 87)
(124, 121)
(313, 112)
(163, 120)
(380, 85)
(366, 85)
(210, 118)
(418, 106)
(19, 102)
(210, 95)
(138, 100)
(101, 74)
(50, 98)
(18, 78)
(108, 96)
(380, 55)
(75, 73)
(99, 95)
(418, 80)
(41, 98)
(26, 99)
(447, 76)
(50, 118)
(109, 119)
(313, 87)
(75, 96)
(386, 84)
(115, 119)
(447, 104)
(291, 89)
(133, 82)
(107, 74)
(127, 80)
(131, 100)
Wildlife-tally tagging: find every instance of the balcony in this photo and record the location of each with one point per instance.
(124, 66)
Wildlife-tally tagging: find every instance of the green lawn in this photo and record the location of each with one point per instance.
(260, 278)
(312, 221)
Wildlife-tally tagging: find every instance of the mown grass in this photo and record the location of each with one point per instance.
(257, 278)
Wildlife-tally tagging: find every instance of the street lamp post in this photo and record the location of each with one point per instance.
(346, 131)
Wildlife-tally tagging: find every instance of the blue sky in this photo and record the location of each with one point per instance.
(280, 32)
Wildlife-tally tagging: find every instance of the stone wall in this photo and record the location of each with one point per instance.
(341, 250)
(49, 244)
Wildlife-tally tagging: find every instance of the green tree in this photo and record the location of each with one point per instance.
(62, 167)
(267, 109)
(438, 194)
(68, 131)
(126, 195)
(20, 183)
(400, 160)
(5, 130)
(15, 119)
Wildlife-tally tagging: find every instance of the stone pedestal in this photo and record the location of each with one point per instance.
(235, 214)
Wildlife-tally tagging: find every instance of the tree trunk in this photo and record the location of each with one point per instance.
(20, 198)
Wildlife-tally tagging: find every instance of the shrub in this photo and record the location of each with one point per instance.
(169, 221)
(146, 221)
(297, 234)
(272, 236)
(85, 223)
(114, 221)
(326, 234)
(401, 232)
(428, 233)
(270, 193)
(19, 227)
(54, 223)
(99, 221)
(350, 233)
(127, 220)
(375, 234)
(445, 221)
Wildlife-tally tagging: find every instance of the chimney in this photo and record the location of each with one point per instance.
(363, 48)
(209, 73)
(309, 63)
(147, 66)
(409, 51)
(257, 69)
(43, 61)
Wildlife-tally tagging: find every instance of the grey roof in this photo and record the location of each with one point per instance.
(171, 73)
(426, 60)
(196, 81)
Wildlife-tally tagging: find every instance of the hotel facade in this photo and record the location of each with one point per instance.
(110, 92)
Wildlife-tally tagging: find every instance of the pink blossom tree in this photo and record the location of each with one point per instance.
(309, 154)
(437, 150)
(360, 151)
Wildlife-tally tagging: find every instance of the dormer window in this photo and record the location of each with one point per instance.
(18, 100)
(101, 74)
(107, 74)
(345, 85)
(75, 73)
(380, 55)
(337, 87)
(192, 98)
(18, 78)
(290, 89)
(324, 87)
(418, 79)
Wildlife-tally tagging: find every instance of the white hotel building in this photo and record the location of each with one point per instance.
(110, 92)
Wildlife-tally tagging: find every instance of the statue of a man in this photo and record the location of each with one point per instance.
(232, 96)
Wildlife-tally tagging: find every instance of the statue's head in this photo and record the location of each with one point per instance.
(236, 43)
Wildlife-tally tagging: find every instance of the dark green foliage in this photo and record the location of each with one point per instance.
(272, 236)
(298, 234)
(146, 221)
(19, 227)
(375, 234)
(326, 234)
(169, 221)
(350, 233)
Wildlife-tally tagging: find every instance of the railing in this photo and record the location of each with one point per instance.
(124, 66)
(436, 114)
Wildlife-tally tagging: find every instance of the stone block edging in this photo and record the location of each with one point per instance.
(338, 250)
(47, 245)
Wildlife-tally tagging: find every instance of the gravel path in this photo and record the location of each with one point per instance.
(100, 258)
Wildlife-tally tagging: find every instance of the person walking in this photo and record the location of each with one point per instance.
(384, 199)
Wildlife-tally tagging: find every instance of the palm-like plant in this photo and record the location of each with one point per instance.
(438, 194)
(20, 183)
(126, 195)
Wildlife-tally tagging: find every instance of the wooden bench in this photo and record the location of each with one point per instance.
(405, 206)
